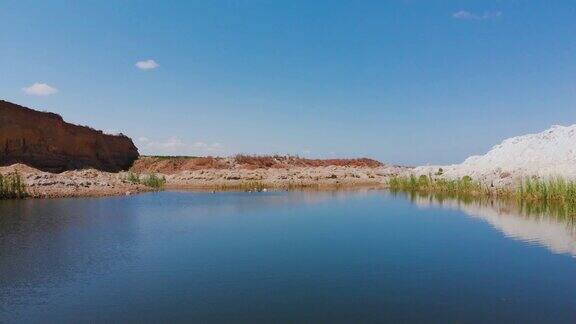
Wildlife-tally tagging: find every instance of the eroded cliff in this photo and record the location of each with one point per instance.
(45, 141)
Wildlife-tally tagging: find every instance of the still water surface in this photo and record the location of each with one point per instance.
(283, 257)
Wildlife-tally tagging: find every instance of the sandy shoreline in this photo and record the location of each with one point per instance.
(78, 183)
(281, 178)
(93, 183)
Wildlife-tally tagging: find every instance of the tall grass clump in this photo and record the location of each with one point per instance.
(12, 186)
(532, 194)
(153, 180)
(133, 177)
(553, 190)
(423, 183)
(248, 186)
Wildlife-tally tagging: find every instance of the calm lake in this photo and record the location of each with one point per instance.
(358, 256)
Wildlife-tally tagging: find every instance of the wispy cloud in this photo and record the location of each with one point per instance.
(176, 146)
(467, 15)
(39, 89)
(147, 65)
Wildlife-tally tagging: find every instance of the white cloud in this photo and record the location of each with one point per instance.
(40, 89)
(467, 15)
(176, 146)
(147, 65)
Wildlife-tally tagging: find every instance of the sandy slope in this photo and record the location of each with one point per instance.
(80, 183)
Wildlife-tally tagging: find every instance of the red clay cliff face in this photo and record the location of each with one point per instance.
(45, 141)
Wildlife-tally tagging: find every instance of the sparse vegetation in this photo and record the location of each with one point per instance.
(151, 180)
(253, 186)
(174, 164)
(555, 190)
(301, 186)
(286, 161)
(256, 186)
(12, 186)
(462, 186)
(133, 178)
(559, 211)
(532, 193)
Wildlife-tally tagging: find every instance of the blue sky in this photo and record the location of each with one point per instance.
(409, 82)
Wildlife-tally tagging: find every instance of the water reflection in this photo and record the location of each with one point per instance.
(50, 243)
(552, 226)
(46, 244)
(357, 256)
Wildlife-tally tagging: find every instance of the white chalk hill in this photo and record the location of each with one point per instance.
(546, 154)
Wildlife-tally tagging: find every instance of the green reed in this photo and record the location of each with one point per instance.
(553, 190)
(423, 183)
(12, 186)
(151, 180)
(557, 194)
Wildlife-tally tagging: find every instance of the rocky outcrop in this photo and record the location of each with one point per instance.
(45, 141)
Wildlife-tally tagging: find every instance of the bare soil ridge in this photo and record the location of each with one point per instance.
(172, 165)
(75, 183)
(275, 172)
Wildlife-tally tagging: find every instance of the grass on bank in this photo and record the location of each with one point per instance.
(462, 186)
(553, 191)
(151, 180)
(248, 186)
(12, 186)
